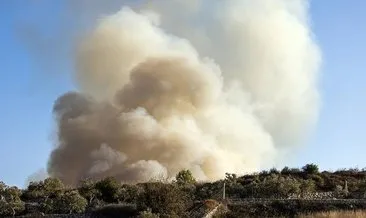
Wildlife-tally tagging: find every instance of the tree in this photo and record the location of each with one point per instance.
(185, 177)
(70, 202)
(307, 186)
(310, 169)
(286, 171)
(39, 191)
(168, 200)
(274, 171)
(129, 193)
(289, 171)
(231, 178)
(88, 190)
(10, 202)
(2, 186)
(109, 189)
(34, 191)
(52, 185)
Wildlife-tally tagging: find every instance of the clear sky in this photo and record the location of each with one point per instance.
(27, 93)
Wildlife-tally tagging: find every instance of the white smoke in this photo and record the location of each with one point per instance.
(214, 87)
(37, 176)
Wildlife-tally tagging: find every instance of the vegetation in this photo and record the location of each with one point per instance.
(337, 214)
(185, 196)
(185, 177)
(311, 169)
(10, 202)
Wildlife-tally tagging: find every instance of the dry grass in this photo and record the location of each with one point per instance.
(211, 204)
(337, 214)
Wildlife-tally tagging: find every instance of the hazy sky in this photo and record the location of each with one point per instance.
(28, 92)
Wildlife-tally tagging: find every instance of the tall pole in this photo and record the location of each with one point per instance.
(346, 187)
(223, 193)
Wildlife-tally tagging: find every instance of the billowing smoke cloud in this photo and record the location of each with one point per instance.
(210, 86)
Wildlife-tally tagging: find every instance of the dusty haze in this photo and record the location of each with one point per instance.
(210, 86)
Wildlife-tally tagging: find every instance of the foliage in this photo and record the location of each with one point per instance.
(2, 187)
(185, 177)
(109, 189)
(274, 171)
(39, 191)
(70, 202)
(168, 200)
(289, 209)
(336, 214)
(110, 198)
(87, 189)
(10, 202)
(231, 177)
(290, 171)
(11, 208)
(307, 186)
(209, 190)
(148, 214)
(129, 193)
(311, 169)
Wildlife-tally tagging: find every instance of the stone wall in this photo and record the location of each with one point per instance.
(314, 196)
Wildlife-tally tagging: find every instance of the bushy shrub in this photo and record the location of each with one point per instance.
(185, 177)
(168, 200)
(115, 211)
(109, 189)
(310, 169)
(70, 202)
(148, 214)
(10, 202)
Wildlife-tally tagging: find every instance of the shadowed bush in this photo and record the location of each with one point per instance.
(115, 211)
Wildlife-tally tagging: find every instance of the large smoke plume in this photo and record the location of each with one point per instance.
(210, 86)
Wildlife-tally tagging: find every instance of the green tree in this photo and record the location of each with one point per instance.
(231, 178)
(129, 193)
(34, 191)
(307, 186)
(311, 169)
(286, 171)
(38, 191)
(290, 171)
(10, 202)
(168, 200)
(109, 189)
(185, 177)
(53, 185)
(2, 186)
(70, 202)
(274, 171)
(47, 206)
(362, 186)
(88, 190)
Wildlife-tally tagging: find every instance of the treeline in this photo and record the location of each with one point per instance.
(181, 198)
(293, 208)
(281, 183)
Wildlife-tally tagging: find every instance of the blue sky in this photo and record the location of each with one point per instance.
(27, 93)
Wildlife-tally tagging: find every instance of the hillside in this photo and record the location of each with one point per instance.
(274, 192)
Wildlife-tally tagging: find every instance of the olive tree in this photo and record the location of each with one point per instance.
(70, 202)
(88, 190)
(168, 200)
(10, 202)
(311, 169)
(185, 177)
